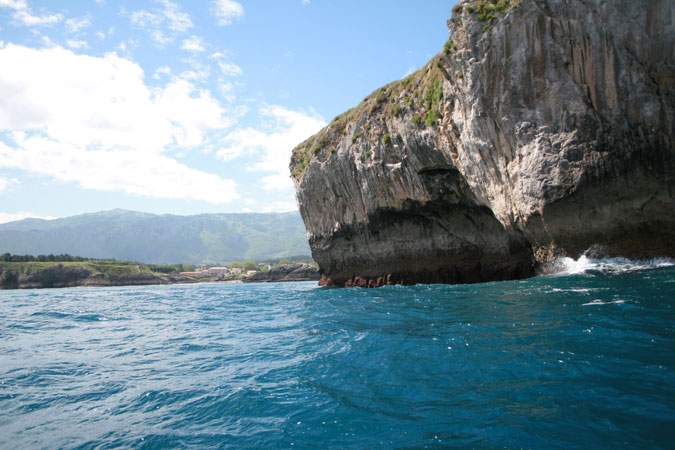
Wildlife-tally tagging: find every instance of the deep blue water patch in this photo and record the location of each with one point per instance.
(584, 360)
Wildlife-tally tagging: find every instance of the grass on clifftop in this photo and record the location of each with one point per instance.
(417, 95)
(487, 10)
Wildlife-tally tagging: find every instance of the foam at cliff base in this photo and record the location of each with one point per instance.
(609, 266)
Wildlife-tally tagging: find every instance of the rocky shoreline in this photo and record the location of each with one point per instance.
(541, 129)
(60, 275)
(286, 272)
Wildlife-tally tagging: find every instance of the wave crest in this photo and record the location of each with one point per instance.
(586, 265)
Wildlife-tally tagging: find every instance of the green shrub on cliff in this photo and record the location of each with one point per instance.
(431, 116)
(356, 136)
(397, 110)
(450, 45)
(381, 96)
(416, 119)
(501, 5)
(386, 140)
(486, 10)
(435, 91)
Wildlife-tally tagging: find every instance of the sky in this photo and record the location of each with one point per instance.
(186, 107)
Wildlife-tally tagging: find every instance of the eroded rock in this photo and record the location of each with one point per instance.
(539, 132)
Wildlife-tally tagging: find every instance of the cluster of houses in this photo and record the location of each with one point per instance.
(217, 272)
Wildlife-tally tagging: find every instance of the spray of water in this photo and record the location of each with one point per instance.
(589, 265)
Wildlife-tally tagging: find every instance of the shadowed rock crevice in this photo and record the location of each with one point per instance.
(436, 242)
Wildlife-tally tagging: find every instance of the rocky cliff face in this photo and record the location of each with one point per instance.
(543, 127)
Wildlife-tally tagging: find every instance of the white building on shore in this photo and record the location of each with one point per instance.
(214, 271)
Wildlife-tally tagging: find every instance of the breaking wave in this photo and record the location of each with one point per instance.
(586, 265)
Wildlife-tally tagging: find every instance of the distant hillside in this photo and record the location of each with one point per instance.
(158, 239)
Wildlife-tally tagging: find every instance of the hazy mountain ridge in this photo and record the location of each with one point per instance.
(167, 238)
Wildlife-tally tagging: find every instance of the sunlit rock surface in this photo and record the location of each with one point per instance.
(541, 130)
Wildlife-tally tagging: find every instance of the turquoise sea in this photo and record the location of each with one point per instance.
(582, 359)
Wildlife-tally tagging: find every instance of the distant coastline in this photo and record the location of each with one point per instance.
(59, 274)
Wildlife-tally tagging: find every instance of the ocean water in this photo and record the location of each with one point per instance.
(581, 359)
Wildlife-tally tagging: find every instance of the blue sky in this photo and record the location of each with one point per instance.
(186, 107)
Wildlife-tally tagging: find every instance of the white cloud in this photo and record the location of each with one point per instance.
(227, 11)
(77, 25)
(76, 44)
(12, 217)
(306, 2)
(6, 184)
(23, 14)
(272, 145)
(278, 181)
(230, 69)
(100, 35)
(221, 54)
(127, 47)
(193, 44)
(93, 121)
(160, 37)
(163, 70)
(226, 90)
(47, 42)
(29, 19)
(132, 172)
(280, 206)
(176, 20)
(190, 116)
(145, 19)
(13, 4)
(199, 75)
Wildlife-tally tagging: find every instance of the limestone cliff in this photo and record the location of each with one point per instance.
(543, 127)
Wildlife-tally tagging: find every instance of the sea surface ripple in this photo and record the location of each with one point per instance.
(583, 359)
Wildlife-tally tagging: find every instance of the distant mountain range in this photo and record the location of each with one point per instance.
(158, 239)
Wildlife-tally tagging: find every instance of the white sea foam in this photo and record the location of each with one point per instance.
(586, 265)
(600, 302)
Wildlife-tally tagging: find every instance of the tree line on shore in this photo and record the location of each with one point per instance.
(8, 257)
(160, 268)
